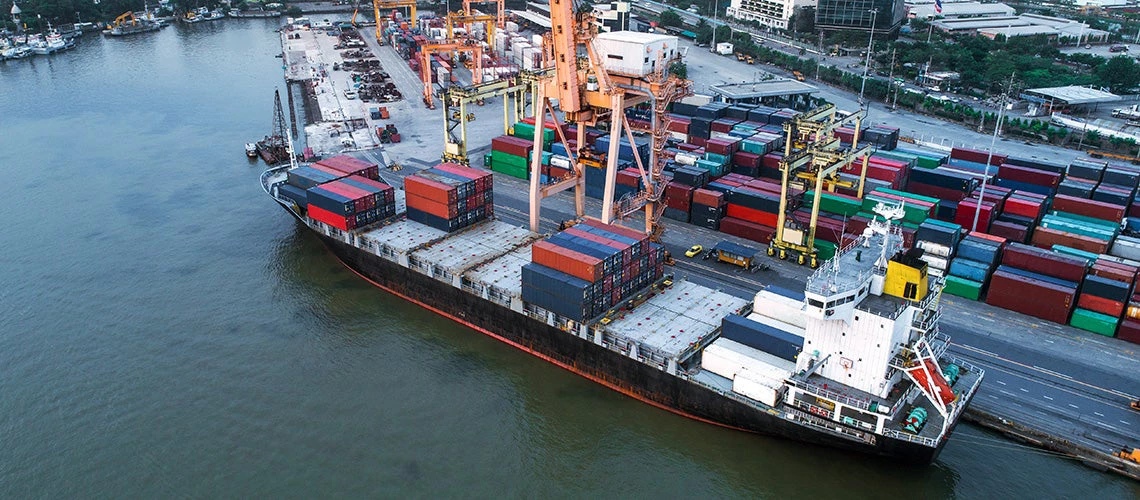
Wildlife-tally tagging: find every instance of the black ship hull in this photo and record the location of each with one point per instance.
(599, 364)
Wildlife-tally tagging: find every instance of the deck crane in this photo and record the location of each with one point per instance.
(588, 94)
(473, 49)
(812, 160)
(387, 5)
(500, 11)
(126, 18)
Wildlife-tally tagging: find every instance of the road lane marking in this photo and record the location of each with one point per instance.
(1007, 393)
(1047, 397)
(1051, 372)
(1097, 413)
(1022, 389)
(1000, 382)
(1125, 423)
(1102, 424)
(1012, 362)
(1074, 406)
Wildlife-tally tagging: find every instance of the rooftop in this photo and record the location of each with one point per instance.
(961, 9)
(1073, 94)
(538, 20)
(765, 88)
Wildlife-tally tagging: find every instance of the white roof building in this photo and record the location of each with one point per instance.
(774, 13)
(960, 10)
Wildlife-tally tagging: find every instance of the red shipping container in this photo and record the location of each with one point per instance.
(935, 191)
(771, 160)
(620, 230)
(722, 146)
(1134, 209)
(1029, 175)
(678, 196)
(361, 199)
(1009, 231)
(965, 215)
(1101, 305)
(1129, 331)
(1036, 298)
(977, 156)
(697, 141)
(625, 248)
(751, 215)
(1049, 263)
(1114, 271)
(628, 178)
(565, 260)
(338, 221)
(747, 230)
(1025, 208)
(708, 197)
(349, 166)
(512, 145)
(723, 125)
(1046, 238)
(746, 159)
(1089, 208)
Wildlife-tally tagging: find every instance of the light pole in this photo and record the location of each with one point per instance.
(712, 46)
(867, 64)
(990, 155)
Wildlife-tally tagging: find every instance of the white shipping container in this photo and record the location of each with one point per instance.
(936, 262)
(517, 50)
(780, 308)
(559, 161)
(697, 99)
(634, 54)
(686, 158)
(536, 40)
(726, 358)
(722, 135)
(758, 389)
(680, 136)
(724, 48)
(512, 27)
(1126, 248)
(934, 248)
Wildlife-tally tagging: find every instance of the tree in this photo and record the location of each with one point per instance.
(680, 69)
(704, 32)
(1092, 137)
(1119, 74)
(670, 18)
(803, 20)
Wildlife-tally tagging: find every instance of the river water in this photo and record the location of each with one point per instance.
(168, 330)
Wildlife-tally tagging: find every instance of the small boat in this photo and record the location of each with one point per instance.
(251, 149)
(254, 13)
(202, 14)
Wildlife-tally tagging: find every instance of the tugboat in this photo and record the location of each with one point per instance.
(251, 149)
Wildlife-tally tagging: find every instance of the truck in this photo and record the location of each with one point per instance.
(1130, 113)
(732, 253)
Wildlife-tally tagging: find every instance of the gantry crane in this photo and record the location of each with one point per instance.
(500, 11)
(473, 50)
(463, 19)
(387, 5)
(455, 99)
(588, 94)
(812, 159)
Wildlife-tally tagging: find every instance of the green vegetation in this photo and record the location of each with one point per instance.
(670, 17)
(37, 13)
(680, 69)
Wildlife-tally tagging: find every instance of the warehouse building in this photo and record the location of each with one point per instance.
(960, 10)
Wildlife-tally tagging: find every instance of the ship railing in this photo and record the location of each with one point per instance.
(906, 436)
(830, 426)
(958, 409)
(924, 319)
(818, 390)
(499, 295)
(731, 395)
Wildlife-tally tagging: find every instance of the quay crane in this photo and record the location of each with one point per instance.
(387, 5)
(588, 94)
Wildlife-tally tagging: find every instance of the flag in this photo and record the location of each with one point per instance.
(938, 6)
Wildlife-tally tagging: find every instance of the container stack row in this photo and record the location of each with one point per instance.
(341, 191)
(589, 268)
(449, 196)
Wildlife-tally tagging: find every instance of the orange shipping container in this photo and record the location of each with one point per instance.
(1045, 238)
(565, 260)
(435, 208)
(427, 188)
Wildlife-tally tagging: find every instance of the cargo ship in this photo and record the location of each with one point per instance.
(854, 361)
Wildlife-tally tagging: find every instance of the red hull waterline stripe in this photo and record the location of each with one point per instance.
(538, 354)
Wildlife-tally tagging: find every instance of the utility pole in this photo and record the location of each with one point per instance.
(867, 64)
(990, 155)
(712, 47)
(891, 77)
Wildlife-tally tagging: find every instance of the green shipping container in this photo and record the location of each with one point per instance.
(1077, 227)
(833, 204)
(499, 158)
(826, 250)
(963, 287)
(753, 147)
(719, 159)
(524, 130)
(911, 213)
(1062, 249)
(911, 196)
(1101, 324)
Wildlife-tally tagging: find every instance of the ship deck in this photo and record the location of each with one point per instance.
(474, 246)
(678, 320)
(503, 273)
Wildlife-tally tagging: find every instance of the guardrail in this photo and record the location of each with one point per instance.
(925, 441)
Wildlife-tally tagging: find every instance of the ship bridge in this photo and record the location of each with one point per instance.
(855, 277)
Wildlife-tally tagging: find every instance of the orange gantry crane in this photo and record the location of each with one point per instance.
(465, 19)
(589, 94)
(387, 5)
(500, 11)
(474, 53)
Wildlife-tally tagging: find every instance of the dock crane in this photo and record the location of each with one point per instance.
(454, 19)
(387, 5)
(473, 50)
(500, 11)
(516, 89)
(126, 18)
(588, 94)
(812, 159)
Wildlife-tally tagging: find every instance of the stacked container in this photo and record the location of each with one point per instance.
(450, 196)
(589, 268)
(975, 259)
(511, 155)
(1104, 297)
(938, 241)
(351, 203)
(1037, 282)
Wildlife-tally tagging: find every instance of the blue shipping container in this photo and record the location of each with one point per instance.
(779, 343)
